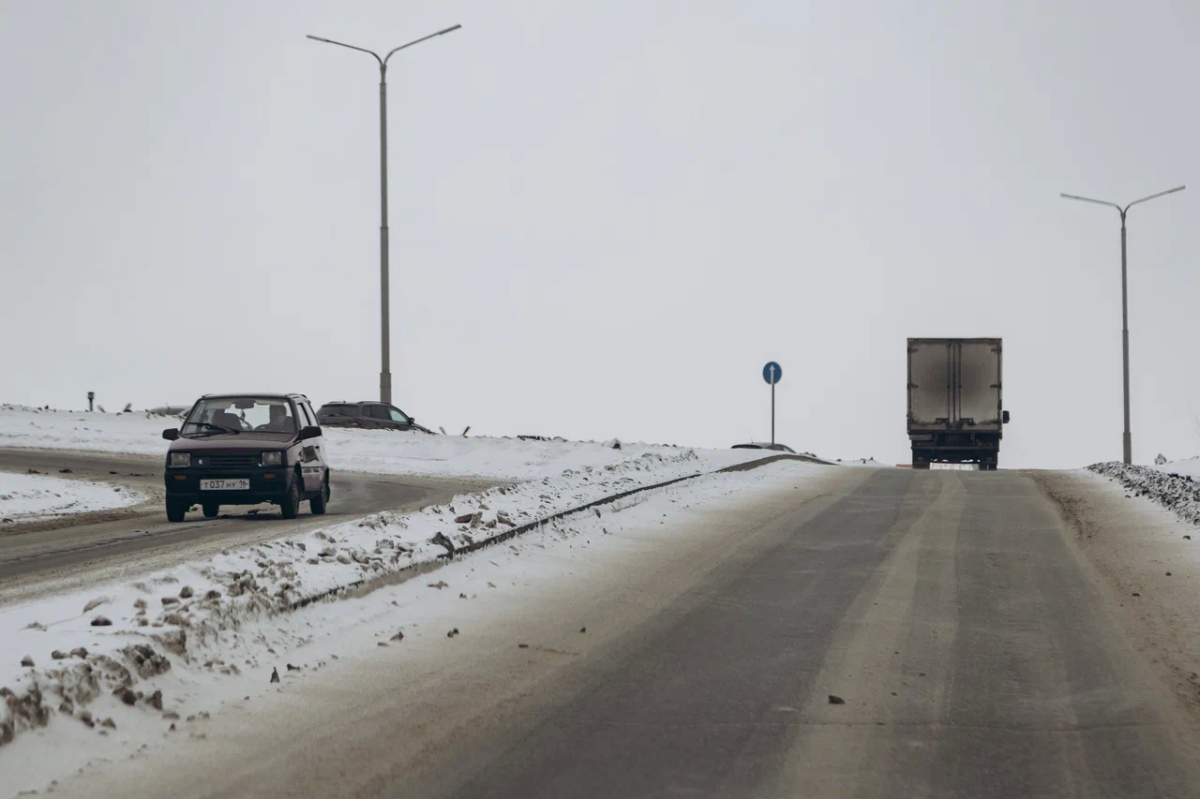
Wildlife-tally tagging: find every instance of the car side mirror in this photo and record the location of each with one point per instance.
(309, 432)
(412, 419)
(1006, 417)
(172, 434)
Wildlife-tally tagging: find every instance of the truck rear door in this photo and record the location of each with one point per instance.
(929, 378)
(978, 365)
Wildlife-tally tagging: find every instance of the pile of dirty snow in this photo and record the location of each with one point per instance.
(1177, 492)
(27, 497)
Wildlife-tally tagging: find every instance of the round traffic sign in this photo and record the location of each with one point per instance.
(772, 372)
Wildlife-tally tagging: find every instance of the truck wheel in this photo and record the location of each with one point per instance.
(920, 460)
(317, 504)
(289, 505)
(176, 510)
(211, 509)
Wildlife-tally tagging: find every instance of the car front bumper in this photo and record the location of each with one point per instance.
(267, 484)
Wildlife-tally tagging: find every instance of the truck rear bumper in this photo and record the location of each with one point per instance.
(955, 446)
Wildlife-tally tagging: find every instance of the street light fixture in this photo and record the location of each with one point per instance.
(1128, 439)
(385, 374)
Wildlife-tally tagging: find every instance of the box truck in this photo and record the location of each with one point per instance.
(955, 410)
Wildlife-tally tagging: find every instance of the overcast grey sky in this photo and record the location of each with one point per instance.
(607, 216)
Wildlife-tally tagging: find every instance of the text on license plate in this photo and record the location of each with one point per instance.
(242, 484)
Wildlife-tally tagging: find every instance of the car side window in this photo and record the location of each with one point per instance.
(378, 412)
(305, 415)
(309, 415)
(397, 416)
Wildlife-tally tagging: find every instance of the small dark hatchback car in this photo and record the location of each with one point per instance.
(245, 449)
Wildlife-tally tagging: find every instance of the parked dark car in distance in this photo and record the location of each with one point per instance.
(758, 445)
(367, 415)
(245, 449)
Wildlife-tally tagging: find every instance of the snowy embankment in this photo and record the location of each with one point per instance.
(29, 497)
(1171, 485)
(374, 451)
(77, 655)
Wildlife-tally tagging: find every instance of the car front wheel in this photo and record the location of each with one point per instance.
(289, 506)
(211, 509)
(176, 510)
(317, 504)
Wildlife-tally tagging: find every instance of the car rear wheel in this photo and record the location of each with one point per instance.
(211, 509)
(317, 504)
(289, 506)
(176, 510)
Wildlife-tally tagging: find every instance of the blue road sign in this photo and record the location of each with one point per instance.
(772, 372)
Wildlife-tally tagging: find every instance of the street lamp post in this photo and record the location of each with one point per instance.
(385, 373)
(1128, 438)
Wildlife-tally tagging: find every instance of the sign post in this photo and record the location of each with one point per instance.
(772, 372)
(91, 396)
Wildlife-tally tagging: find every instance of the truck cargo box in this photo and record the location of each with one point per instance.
(955, 409)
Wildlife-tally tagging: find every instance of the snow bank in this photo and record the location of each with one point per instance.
(78, 654)
(126, 433)
(1188, 468)
(376, 451)
(1179, 492)
(26, 497)
(386, 452)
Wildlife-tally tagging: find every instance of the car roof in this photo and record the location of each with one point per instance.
(760, 444)
(355, 402)
(257, 394)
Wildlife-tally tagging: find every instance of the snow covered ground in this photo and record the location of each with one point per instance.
(117, 640)
(1189, 467)
(158, 644)
(27, 497)
(139, 657)
(376, 451)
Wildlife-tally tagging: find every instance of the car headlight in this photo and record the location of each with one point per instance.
(272, 458)
(181, 459)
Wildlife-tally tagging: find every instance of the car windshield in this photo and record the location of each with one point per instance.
(338, 410)
(220, 415)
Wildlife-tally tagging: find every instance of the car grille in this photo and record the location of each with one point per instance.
(228, 461)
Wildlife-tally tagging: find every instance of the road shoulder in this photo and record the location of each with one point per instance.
(1137, 553)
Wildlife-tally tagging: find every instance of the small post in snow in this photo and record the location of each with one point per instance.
(772, 372)
(91, 396)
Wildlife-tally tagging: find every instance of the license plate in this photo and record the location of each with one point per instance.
(242, 484)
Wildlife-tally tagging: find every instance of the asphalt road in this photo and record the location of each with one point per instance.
(974, 657)
(975, 654)
(76, 548)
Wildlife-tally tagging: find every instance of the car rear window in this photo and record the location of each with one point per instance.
(338, 410)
